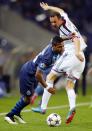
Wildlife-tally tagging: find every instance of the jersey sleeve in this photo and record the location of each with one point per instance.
(46, 61)
(64, 15)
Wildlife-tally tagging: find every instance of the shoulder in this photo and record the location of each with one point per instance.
(48, 52)
(64, 14)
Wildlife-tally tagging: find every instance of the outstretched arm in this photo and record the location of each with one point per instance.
(45, 6)
(39, 76)
(70, 36)
(50, 81)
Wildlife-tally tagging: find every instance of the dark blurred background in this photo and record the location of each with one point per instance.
(25, 30)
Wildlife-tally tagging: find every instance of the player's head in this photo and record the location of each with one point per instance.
(55, 19)
(58, 44)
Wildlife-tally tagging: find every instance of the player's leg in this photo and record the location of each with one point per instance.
(50, 82)
(46, 95)
(23, 102)
(38, 91)
(15, 111)
(71, 96)
(27, 85)
(45, 98)
(72, 99)
(66, 64)
(76, 71)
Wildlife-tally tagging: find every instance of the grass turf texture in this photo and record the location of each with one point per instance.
(37, 122)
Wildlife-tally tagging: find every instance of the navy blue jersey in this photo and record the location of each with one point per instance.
(43, 61)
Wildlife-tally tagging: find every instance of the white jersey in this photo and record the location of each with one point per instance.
(67, 29)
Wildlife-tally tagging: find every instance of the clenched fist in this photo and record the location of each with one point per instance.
(52, 90)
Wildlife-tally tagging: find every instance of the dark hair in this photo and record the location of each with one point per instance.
(53, 13)
(56, 40)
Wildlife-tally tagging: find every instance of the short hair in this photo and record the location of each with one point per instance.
(53, 13)
(56, 40)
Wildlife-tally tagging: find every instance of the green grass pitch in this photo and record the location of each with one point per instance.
(37, 122)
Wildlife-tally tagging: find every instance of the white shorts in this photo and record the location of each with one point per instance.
(69, 64)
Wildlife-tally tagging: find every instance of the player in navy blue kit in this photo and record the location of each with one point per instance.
(39, 90)
(31, 73)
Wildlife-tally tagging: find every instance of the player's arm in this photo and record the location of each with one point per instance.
(50, 82)
(45, 6)
(39, 76)
(76, 41)
(68, 37)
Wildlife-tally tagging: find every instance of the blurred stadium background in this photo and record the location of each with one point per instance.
(25, 30)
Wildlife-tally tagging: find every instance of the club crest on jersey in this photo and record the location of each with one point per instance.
(42, 65)
(28, 92)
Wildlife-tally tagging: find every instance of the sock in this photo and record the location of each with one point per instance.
(45, 99)
(39, 90)
(18, 107)
(71, 98)
(33, 98)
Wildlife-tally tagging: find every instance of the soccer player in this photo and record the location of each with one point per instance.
(39, 90)
(32, 72)
(72, 61)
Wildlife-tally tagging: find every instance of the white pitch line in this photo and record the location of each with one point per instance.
(54, 107)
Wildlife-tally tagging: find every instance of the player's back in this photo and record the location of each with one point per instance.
(43, 60)
(31, 66)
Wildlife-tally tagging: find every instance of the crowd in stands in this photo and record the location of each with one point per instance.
(10, 64)
(80, 12)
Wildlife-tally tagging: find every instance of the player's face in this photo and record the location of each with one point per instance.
(55, 21)
(59, 48)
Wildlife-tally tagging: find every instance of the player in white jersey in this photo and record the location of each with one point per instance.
(72, 62)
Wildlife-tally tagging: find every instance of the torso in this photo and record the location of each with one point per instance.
(67, 29)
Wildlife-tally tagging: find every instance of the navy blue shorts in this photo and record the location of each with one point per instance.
(27, 82)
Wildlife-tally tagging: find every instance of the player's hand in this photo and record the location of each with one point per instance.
(72, 35)
(80, 57)
(44, 6)
(52, 90)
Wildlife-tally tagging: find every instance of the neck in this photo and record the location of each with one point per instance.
(61, 24)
